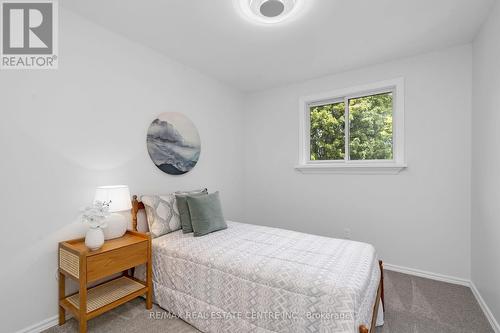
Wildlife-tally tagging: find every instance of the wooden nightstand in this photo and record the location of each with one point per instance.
(84, 266)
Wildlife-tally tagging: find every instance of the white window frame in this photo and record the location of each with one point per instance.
(394, 166)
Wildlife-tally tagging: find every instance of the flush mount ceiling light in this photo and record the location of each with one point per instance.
(269, 11)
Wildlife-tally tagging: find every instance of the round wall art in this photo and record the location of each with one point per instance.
(173, 143)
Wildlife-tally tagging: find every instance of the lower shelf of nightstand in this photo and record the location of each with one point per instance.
(106, 296)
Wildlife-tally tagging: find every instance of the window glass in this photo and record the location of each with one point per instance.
(327, 132)
(370, 127)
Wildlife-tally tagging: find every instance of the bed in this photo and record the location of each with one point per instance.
(251, 278)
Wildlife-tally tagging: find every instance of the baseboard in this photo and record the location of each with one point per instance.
(427, 275)
(41, 326)
(485, 308)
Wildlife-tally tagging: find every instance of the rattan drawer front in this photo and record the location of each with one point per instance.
(107, 293)
(116, 261)
(69, 262)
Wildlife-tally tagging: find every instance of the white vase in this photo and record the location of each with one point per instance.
(116, 226)
(94, 238)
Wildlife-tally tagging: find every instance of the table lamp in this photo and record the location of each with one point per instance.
(119, 200)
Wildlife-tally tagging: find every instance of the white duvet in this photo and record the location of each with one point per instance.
(251, 278)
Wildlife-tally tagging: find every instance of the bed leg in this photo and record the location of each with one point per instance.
(381, 264)
(379, 298)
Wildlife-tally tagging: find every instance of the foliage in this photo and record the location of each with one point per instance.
(328, 132)
(370, 129)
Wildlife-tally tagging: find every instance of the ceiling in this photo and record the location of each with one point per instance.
(326, 37)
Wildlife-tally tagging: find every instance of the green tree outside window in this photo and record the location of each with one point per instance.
(370, 129)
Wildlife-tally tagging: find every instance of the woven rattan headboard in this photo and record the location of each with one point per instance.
(136, 207)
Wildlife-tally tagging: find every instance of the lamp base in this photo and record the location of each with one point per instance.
(116, 226)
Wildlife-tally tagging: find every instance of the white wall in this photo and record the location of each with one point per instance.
(486, 163)
(64, 132)
(419, 218)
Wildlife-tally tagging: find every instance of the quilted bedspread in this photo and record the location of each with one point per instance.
(251, 278)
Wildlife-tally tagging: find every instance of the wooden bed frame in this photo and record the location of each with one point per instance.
(138, 205)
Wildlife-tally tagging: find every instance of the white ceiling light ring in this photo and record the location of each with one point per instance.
(269, 11)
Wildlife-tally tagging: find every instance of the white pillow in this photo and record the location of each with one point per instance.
(162, 213)
(142, 221)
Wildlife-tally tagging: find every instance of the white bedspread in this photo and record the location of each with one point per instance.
(251, 278)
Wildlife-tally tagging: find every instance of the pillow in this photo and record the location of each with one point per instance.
(206, 214)
(142, 221)
(183, 208)
(204, 190)
(162, 213)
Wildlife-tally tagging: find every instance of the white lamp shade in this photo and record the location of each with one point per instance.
(119, 195)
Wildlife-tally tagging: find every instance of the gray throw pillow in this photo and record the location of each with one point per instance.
(206, 214)
(183, 208)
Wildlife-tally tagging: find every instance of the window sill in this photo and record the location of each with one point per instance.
(361, 169)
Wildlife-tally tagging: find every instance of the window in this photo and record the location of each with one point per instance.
(354, 130)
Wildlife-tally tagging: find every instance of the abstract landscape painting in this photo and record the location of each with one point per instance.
(173, 143)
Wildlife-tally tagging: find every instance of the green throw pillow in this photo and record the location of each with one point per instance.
(206, 214)
(183, 208)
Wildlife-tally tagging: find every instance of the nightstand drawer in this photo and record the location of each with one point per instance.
(115, 261)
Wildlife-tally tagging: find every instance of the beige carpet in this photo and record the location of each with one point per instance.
(414, 305)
